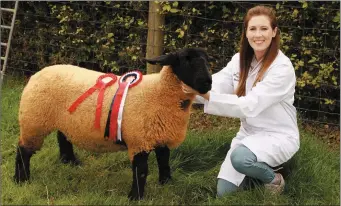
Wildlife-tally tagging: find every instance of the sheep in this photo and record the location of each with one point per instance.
(155, 116)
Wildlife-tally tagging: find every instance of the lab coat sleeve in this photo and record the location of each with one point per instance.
(275, 86)
(222, 81)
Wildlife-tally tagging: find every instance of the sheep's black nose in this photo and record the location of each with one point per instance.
(208, 84)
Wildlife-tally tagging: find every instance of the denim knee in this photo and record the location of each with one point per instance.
(225, 187)
(242, 158)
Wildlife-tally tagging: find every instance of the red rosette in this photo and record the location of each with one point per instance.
(101, 86)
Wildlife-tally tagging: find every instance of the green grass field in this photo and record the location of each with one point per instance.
(105, 179)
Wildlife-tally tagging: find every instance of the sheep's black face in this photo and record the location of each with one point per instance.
(191, 66)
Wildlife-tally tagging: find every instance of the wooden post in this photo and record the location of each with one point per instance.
(155, 35)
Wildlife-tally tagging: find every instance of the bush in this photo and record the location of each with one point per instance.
(111, 37)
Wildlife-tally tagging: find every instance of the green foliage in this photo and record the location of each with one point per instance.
(103, 37)
(111, 36)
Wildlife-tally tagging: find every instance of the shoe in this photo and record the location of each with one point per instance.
(276, 188)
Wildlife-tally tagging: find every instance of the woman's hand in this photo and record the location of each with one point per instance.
(188, 90)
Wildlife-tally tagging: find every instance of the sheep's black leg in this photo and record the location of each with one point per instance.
(66, 150)
(22, 164)
(162, 156)
(140, 172)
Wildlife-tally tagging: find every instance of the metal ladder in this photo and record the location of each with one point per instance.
(8, 43)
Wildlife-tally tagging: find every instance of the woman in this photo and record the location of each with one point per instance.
(257, 86)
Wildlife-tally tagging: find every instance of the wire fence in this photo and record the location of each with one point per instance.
(51, 32)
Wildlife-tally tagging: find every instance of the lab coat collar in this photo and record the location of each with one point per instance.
(255, 66)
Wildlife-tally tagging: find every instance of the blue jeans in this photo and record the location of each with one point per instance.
(245, 161)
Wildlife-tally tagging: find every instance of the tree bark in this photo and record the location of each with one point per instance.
(155, 35)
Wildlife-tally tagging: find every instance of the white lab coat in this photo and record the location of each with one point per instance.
(268, 117)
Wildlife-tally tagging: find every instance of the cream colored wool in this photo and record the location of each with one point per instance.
(152, 114)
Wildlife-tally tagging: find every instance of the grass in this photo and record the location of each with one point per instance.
(105, 179)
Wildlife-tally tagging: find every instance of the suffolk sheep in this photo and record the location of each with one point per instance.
(155, 116)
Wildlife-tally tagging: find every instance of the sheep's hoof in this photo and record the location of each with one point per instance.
(72, 161)
(164, 180)
(20, 178)
(133, 195)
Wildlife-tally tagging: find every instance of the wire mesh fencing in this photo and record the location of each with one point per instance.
(112, 37)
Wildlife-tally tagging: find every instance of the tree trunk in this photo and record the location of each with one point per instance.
(155, 35)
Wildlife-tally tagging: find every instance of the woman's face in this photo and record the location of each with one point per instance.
(259, 34)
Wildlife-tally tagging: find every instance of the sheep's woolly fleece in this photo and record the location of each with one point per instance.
(152, 114)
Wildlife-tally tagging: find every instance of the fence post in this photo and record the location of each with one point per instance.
(155, 35)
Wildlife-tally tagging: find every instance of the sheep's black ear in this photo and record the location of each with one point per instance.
(168, 59)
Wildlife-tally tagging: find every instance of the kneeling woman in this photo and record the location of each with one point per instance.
(257, 86)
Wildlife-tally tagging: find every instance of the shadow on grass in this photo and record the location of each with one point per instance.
(192, 158)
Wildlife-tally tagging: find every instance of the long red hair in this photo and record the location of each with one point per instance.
(246, 52)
